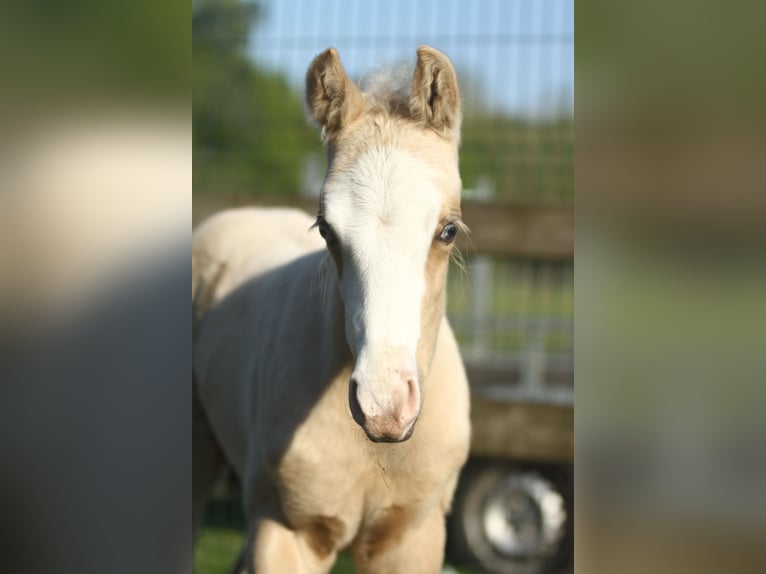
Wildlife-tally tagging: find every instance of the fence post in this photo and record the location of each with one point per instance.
(534, 352)
(481, 287)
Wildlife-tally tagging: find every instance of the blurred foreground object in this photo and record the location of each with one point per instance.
(670, 278)
(94, 354)
(95, 185)
(83, 198)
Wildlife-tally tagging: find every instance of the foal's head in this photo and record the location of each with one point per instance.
(389, 212)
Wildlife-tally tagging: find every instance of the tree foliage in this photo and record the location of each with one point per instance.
(523, 159)
(250, 129)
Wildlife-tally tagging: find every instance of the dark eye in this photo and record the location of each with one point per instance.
(448, 233)
(325, 231)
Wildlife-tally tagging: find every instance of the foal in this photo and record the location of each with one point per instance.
(329, 379)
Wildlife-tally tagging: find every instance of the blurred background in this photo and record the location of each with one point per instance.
(512, 306)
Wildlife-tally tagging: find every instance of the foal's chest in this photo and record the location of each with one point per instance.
(339, 485)
(337, 493)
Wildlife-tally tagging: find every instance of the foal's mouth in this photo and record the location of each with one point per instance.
(385, 439)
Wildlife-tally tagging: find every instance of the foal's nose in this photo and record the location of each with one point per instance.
(387, 411)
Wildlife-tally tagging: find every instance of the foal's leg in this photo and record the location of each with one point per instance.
(277, 549)
(420, 550)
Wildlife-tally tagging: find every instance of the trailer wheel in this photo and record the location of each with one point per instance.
(512, 520)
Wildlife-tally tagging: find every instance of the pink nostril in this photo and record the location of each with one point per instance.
(411, 404)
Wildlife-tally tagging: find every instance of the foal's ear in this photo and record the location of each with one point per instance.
(333, 99)
(435, 96)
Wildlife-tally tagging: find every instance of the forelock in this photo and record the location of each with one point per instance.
(387, 89)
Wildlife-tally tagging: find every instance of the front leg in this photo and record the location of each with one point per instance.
(277, 549)
(413, 550)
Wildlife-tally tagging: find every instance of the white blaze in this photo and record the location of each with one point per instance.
(384, 211)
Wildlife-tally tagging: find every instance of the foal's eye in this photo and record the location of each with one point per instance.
(448, 233)
(325, 231)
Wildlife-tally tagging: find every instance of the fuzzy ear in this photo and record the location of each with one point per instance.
(333, 99)
(435, 95)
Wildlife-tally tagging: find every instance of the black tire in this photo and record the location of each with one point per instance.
(513, 519)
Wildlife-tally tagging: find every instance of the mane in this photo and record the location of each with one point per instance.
(387, 89)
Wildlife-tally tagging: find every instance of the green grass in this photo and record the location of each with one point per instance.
(218, 549)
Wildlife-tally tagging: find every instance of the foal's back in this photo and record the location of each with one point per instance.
(236, 245)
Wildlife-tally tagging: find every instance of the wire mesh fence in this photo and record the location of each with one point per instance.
(514, 59)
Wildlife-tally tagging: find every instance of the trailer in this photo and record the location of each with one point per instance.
(513, 511)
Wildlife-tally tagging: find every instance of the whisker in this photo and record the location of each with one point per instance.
(320, 277)
(464, 277)
(460, 261)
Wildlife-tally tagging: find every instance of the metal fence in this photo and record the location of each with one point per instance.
(514, 59)
(514, 322)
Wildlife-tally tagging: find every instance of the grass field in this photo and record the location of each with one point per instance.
(218, 549)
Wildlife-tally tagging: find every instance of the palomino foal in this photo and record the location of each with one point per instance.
(332, 384)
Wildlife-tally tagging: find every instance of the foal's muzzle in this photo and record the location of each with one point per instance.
(395, 422)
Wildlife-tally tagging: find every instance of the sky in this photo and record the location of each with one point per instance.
(511, 55)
